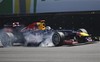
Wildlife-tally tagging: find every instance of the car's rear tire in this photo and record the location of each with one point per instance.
(7, 39)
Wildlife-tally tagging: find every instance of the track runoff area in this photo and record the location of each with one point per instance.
(83, 53)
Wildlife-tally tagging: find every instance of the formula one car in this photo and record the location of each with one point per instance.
(38, 34)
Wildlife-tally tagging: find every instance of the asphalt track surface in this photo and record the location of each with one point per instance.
(82, 53)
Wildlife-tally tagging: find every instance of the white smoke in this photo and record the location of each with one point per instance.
(44, 38)
(48, 41)
(30, 37)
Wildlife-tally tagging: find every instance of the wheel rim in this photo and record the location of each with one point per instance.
(56, 39)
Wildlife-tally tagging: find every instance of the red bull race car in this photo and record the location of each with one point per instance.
(38, 34)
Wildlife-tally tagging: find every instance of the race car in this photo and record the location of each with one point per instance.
(38, 34)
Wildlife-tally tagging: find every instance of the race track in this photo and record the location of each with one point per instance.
(83, 53)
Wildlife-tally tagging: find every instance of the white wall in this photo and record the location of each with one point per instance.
(67, 5)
